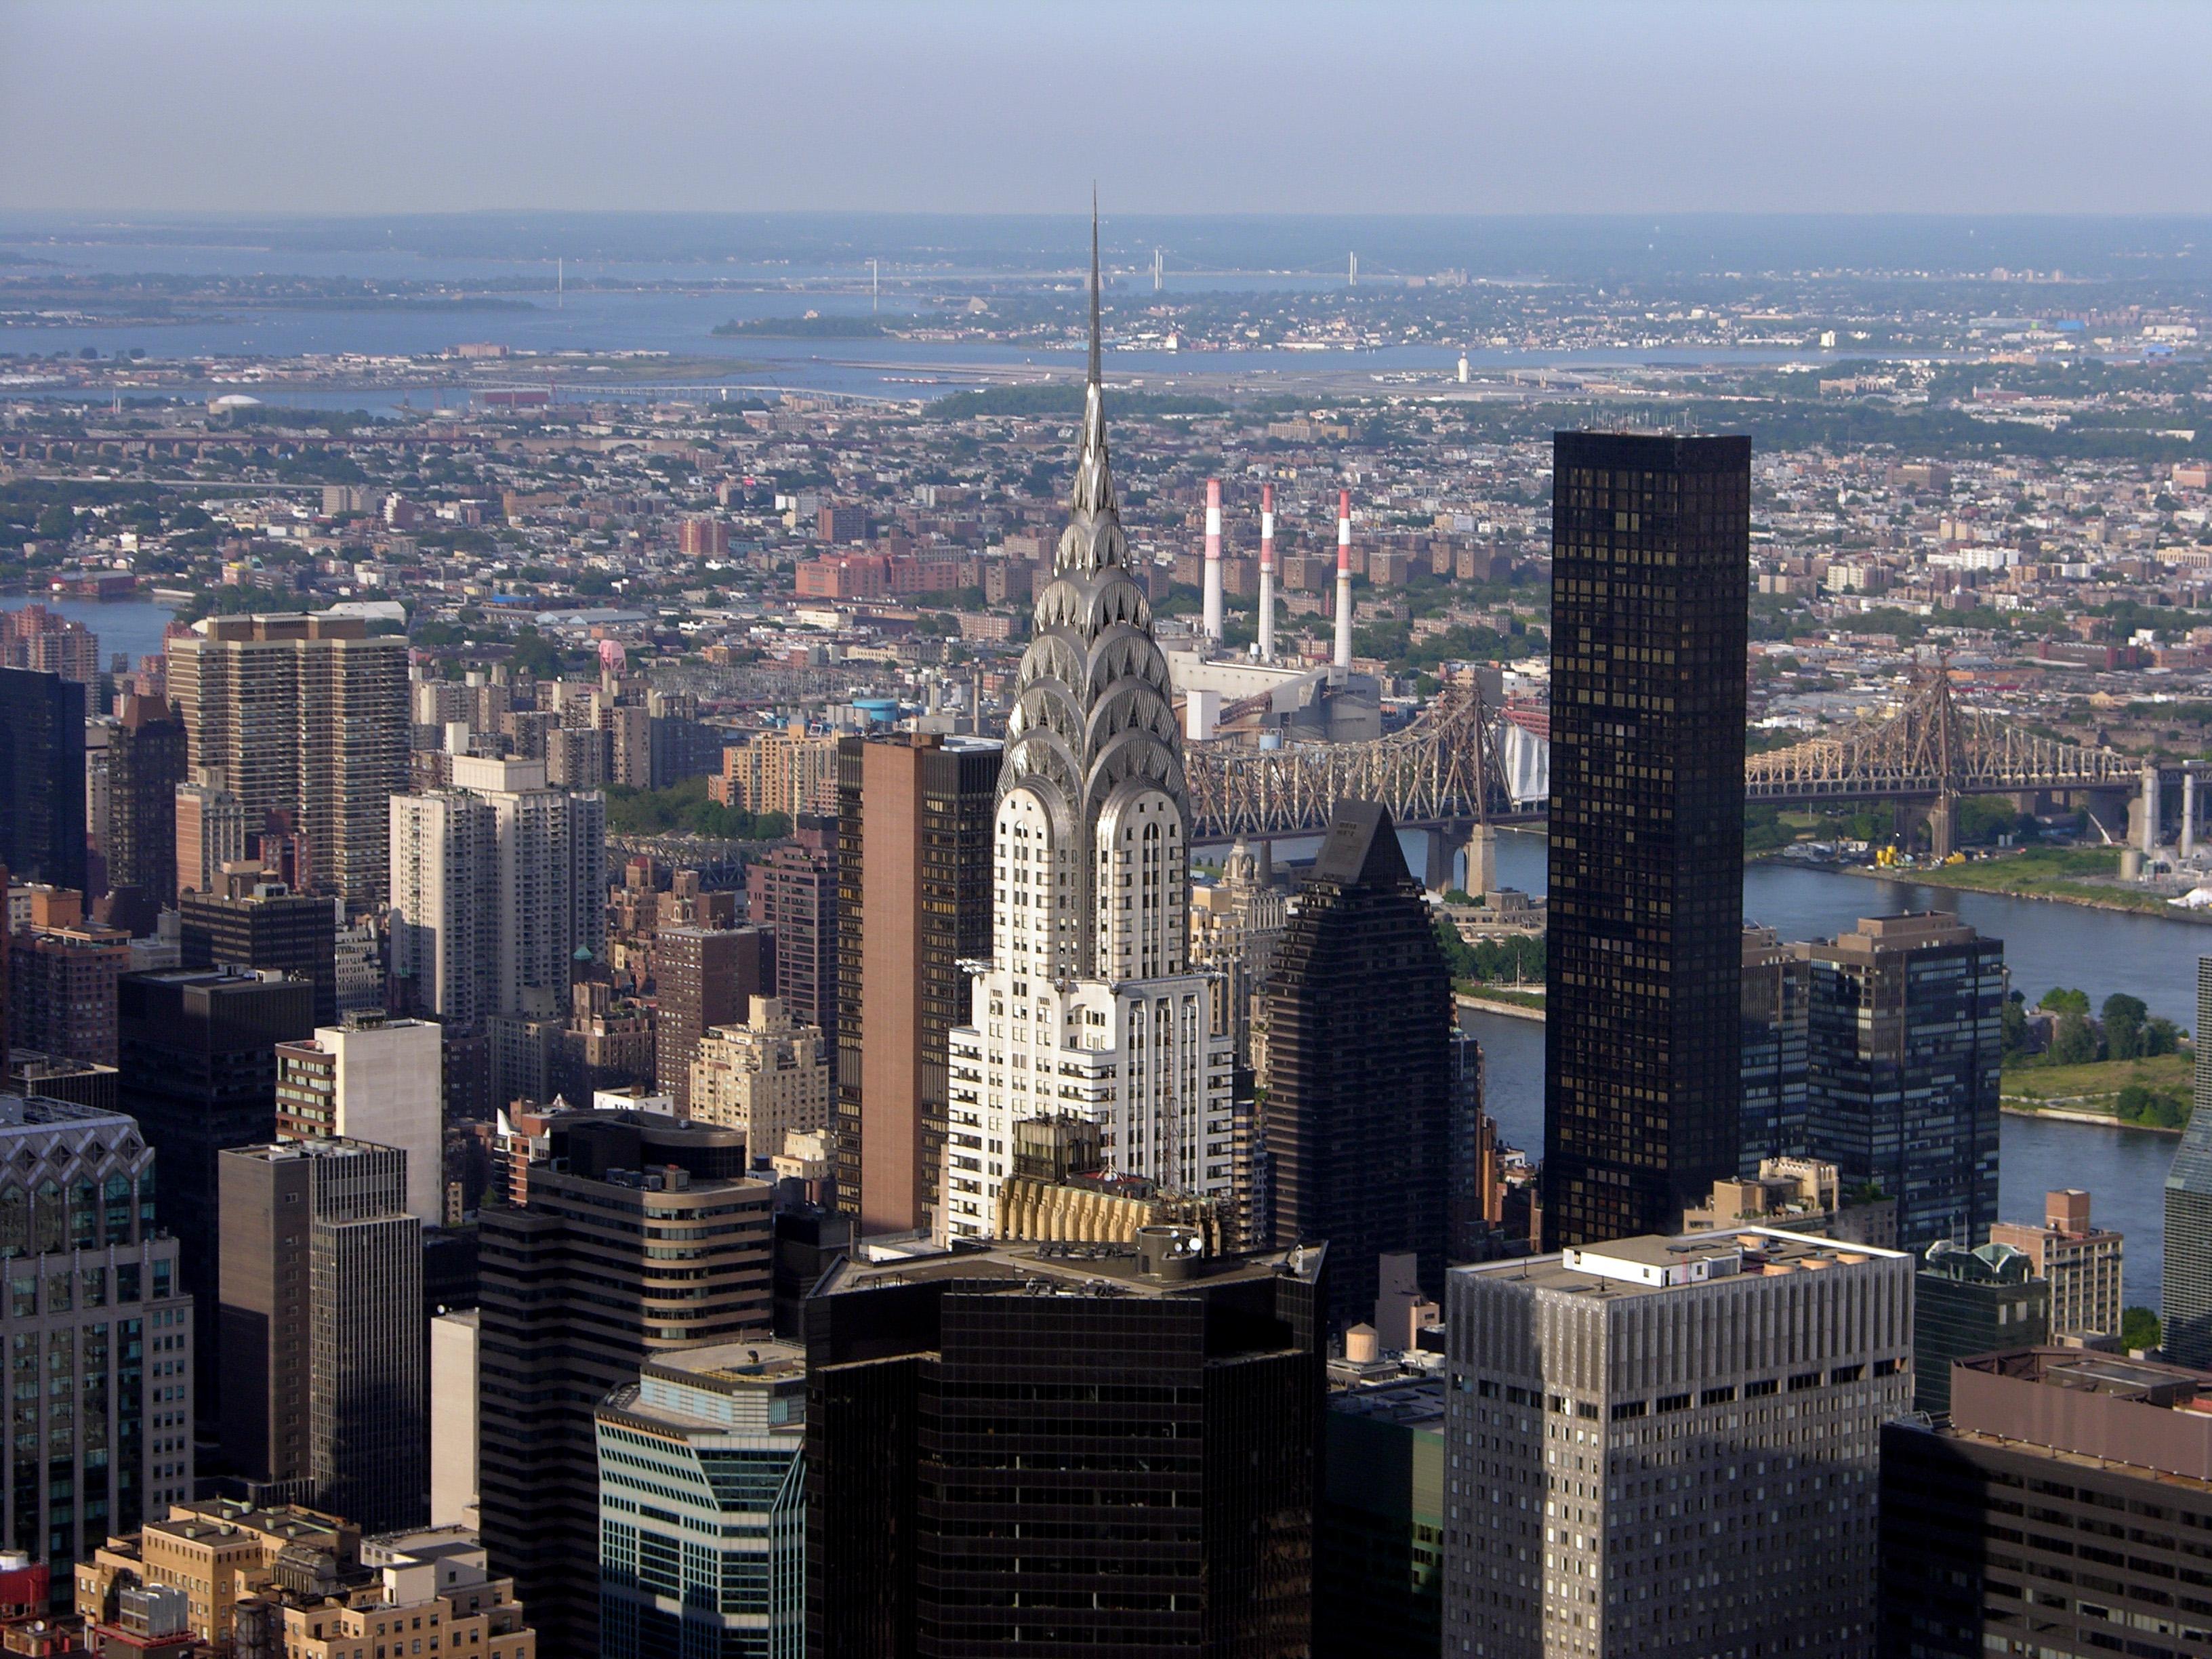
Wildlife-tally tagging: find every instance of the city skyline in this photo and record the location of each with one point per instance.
(678, 976)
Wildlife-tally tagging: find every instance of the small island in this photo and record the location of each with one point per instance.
(811, 326)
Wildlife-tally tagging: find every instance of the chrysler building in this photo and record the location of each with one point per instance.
(1088, 1006)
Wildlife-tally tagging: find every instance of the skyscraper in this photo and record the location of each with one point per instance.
(793, 891)
(42, 778)
(765, 1079)
(1359, 1022)
(376, 1079)
(62, 972)
(199, 1074)
(2185, 1288)
(1650, 568)
(326, 1392)
(1777, 980)
(212, 826)
(249, 919)
(496, 883)
(1089, 1006)
(146, 755)
(1236, 929)
(914, 902)
(1972, 1302)
(99, 1333)
(1667, 1446)
(702, 1504)
(575, 1300)
(2097, 1445)
(1904, 1034)
(304, 714)
(703, 977)
(1025, 1451)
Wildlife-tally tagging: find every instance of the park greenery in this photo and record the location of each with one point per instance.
(683, 809)
(2127, 1061)
(1519, 957)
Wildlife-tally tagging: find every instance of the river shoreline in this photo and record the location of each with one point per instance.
(1494, 1006)
(2110, 1120)
(1935, 878)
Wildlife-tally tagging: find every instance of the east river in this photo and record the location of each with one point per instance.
(2100, 951)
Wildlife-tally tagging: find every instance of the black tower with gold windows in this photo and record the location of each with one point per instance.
(1651, 560)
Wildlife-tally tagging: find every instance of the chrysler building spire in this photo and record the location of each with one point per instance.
(1094, 478)
(1089, 1004)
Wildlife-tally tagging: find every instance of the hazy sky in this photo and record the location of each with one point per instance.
(1200, 106)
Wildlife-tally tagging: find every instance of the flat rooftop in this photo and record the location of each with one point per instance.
(2150, 1381)
(1069, 1269)
(1415, 1402)
(731, 1362)
(41, 1111)
(1652, 1264)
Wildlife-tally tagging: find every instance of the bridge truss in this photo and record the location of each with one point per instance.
(1931, 748)
(1444, 768)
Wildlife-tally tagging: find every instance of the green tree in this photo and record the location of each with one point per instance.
(2013, 1042)
(2074, 1043)
(2059, 999)
(2124, 1017)
(2162, 1036)
(2139, 1328)
(1459, 956)
(57, 524)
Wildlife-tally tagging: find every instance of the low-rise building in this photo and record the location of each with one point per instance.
(2062, 1508)
(1972, 1302)
(1802, 1194)
(2081, 1262)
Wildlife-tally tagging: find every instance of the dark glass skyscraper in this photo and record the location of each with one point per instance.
(1359, 1102)
(1053, 1448)
(1650, 562)
(2185, 1296)
(198, 1052)
(1903, 1028)
(42, 778)
(145, 764)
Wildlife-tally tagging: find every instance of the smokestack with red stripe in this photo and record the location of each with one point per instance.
(1214, 559)
(1267, 573)
(1344, 579)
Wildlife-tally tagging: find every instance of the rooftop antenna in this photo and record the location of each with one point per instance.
(1094, 283)
(875, 287)
(1159, 272)
(560, 283)
(1355, 270)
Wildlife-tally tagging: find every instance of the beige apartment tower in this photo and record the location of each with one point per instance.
(304, 714)
(765, 1079)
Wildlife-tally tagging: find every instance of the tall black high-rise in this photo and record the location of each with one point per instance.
(42, 777)
(197, 1048)
(1650, 562)
(1359, 1018)
(1055, 1450)
(145, 764)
